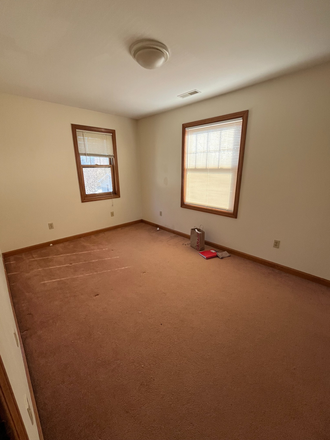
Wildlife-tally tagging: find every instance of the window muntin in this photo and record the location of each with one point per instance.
(97, 166)
(212, 163)
(94, 160)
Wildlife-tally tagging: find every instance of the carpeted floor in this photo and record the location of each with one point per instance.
(131, 335)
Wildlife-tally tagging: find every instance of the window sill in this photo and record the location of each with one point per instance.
(96, 197)
(210, 210)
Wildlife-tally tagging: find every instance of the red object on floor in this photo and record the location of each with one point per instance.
(208, 254)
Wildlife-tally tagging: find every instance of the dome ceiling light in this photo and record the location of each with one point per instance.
(150, 54)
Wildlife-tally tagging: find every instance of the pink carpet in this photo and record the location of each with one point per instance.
(131, 335)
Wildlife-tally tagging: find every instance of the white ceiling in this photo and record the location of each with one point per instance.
(75, 52)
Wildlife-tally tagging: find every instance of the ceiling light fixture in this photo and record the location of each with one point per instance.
(150, 54)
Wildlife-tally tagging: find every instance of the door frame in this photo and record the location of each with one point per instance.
(9, 410)
(26, 368)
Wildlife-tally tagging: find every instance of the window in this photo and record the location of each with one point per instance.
(97, 165)
(212, 161)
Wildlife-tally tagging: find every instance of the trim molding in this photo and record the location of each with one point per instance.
(286, 269)
(182, 234)
(27, 373)
(11, 413)
(62, 240)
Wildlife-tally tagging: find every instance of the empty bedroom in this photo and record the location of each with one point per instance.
(164, 220)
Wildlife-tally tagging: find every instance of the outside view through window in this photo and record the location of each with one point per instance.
(97, 180)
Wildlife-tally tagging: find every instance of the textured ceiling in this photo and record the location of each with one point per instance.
(75, 52)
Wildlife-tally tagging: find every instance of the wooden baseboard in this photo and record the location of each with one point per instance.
(62, 240)
(262, 261)
(182, 234)
(268, 263)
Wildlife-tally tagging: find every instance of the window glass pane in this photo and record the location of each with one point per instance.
(214, 141)
(211, 188)
(191, 144)
(94, 160)
(215, 146)
(201, 159)
(201, 142)
(213, 159)
(191, 160)
(97, 180)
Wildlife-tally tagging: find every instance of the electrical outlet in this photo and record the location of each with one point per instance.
(160, 213)
(50, 225)
(112, 213)
(276, 244)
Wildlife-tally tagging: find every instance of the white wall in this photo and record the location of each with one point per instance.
(38, 176)
(286, 173)
(285, 185)
(12, 357)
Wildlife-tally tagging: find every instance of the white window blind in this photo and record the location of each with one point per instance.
(211, 164)
(92, 143)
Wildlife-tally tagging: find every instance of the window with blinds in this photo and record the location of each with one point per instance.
(212, 163)
(95, 150)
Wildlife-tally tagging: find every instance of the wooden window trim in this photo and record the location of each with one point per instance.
(113, 166)
(242, 114)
